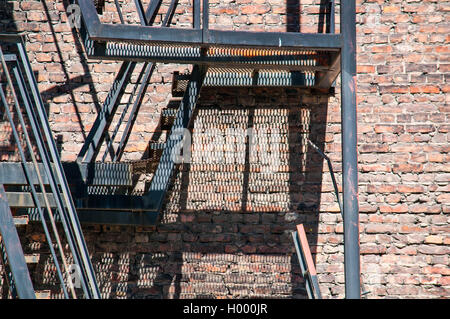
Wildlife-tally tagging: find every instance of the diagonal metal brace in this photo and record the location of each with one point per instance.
(97, 133)
(330, 168)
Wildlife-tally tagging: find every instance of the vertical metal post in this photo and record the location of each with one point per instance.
(332, 6)
(205, 20)
(349, 149)
(196, 12)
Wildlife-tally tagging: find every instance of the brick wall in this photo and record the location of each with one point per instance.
(226, 232)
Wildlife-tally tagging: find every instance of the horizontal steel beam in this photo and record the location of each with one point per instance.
(12, 37)
(108, 217)
(177, 36)
(25, 199)
(115, 202)
(141, 218)
(91, 202)
(148, 34)
(246, 78)
(193, 55)
(99, 174)
(101, 202)
(145, 34)
(310, 41)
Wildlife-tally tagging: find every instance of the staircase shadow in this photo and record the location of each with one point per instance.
(231, 234)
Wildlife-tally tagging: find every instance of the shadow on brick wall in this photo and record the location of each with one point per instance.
(7, 25)
(70, 83)
(226, 227)
(294, 16)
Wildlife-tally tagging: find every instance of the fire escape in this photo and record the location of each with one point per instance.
(71, 192)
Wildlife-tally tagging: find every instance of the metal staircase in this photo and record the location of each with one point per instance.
(100, 191)
(219, 58)
(40, 146)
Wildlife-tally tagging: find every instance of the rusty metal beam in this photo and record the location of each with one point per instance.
(306, 262)
(349, 150)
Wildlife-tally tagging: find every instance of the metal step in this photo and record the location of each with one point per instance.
(98, 174)
(168, 117)
(229, 77)
(32, 258)
(298, 60)
(21, 220)
(149, 165)
(43, 294)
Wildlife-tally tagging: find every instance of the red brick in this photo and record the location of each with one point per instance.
(394, 89)
(405, 168)
(380, 188)
(379, 228)
(402, 208)
(410, 229)
(434, 239)
(255, 9)
(365, 69)
(43, 57)
(391, 9)
(402, 143)
(443, 198)
(424, 89)
(372, 249)
(382, 128)
(404, 148)
(373, 148)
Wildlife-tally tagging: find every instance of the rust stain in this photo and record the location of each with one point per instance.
(352, 84)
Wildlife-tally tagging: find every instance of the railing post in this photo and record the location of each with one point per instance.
(349, 150)
(205, 22)
(332, 6)
(196, 13)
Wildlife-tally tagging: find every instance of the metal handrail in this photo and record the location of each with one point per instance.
(50, 158)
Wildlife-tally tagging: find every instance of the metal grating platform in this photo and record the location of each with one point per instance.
(312, 53)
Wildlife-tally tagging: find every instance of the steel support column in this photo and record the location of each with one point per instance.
(349, 150)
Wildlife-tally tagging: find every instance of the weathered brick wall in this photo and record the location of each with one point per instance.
(225, 233)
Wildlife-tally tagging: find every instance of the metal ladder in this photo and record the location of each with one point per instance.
(19, 75)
